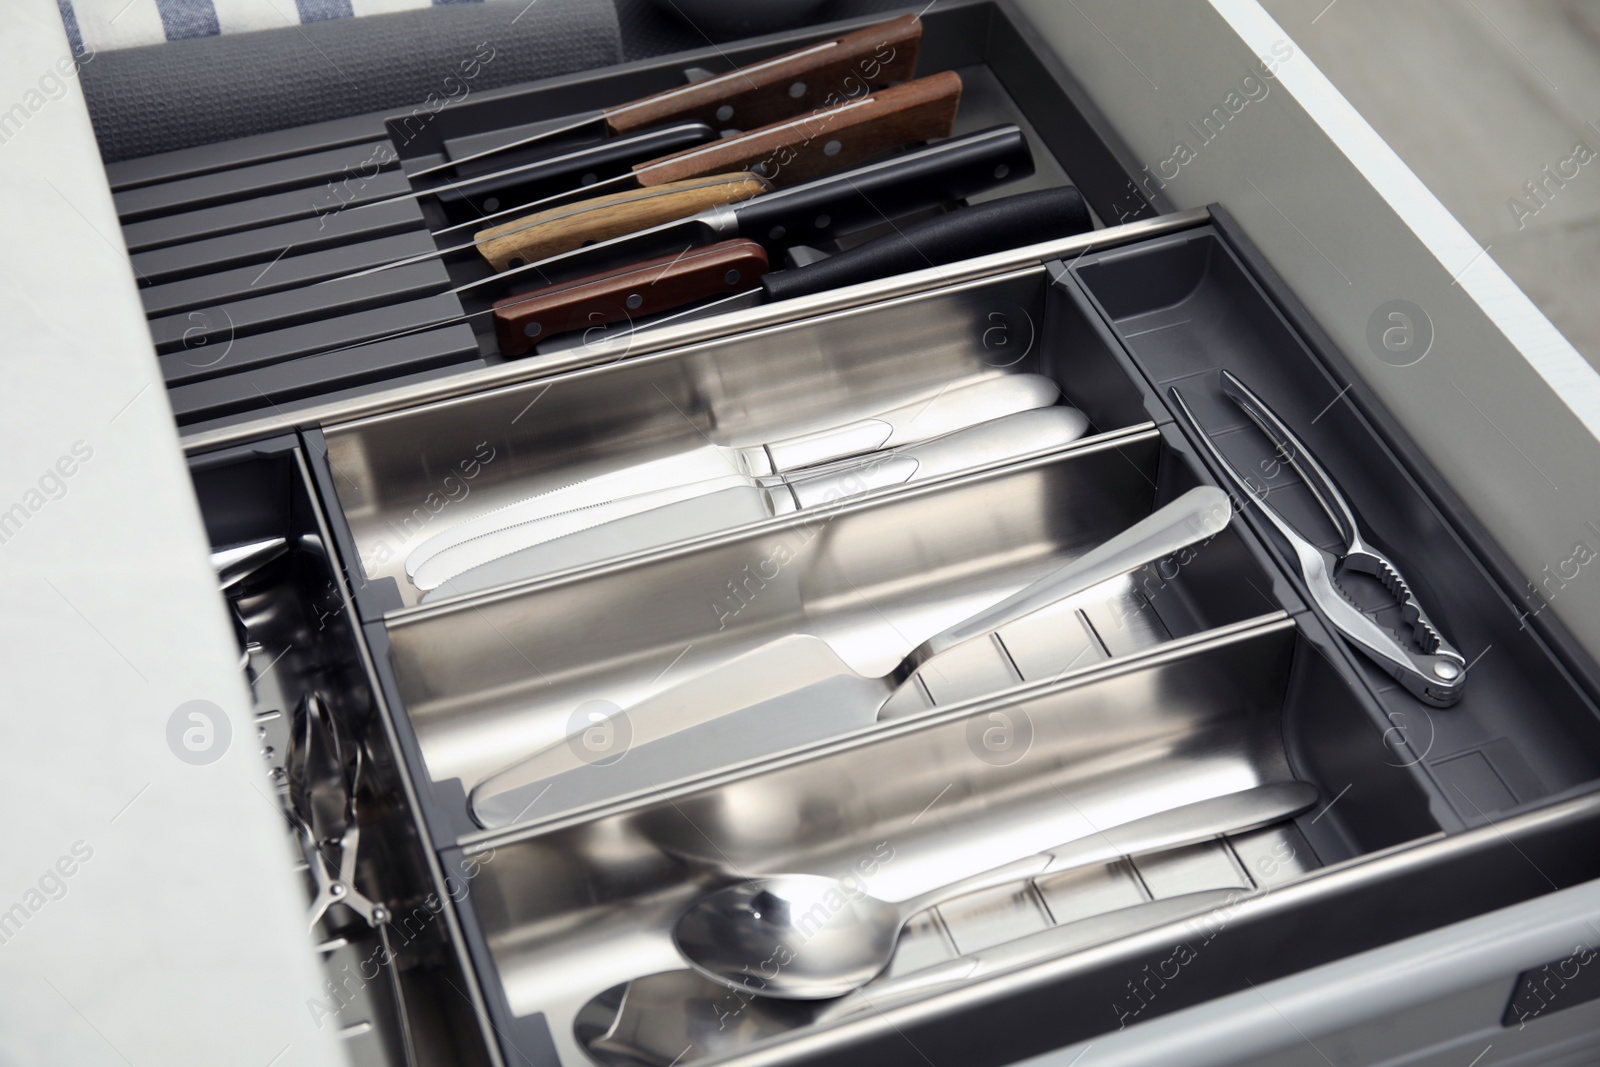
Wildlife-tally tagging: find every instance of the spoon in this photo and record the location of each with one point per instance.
(807, 937)
(678, 1017)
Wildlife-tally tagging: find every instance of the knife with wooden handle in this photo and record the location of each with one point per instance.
(643, 289)
(824, 141)
(570, 226)
(964, 233)
(782, 154)
(816, 76)
(931, 176)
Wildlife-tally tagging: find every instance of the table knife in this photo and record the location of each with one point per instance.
(677, 513)
(923, 417)
(757, 94)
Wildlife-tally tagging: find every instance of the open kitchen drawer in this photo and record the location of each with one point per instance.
(527, 845)
(1202, 675)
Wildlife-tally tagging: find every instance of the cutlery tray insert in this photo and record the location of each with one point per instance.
(1525, 730)
(1198, 680)
(404, 477)
(487, 681)
(567, 914)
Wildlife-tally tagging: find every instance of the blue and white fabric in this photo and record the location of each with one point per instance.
(107, 25)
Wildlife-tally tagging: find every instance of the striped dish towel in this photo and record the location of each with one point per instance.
(106, 25)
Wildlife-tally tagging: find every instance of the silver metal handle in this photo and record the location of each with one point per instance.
(1191, 824)
(1046, 944)
(1231, 813)
(1197, 515)
(1000, 440)
(1322, 486)
(952, 409)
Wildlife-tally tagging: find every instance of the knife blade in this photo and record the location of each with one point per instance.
(925, 416)
(797, 690)
(756, 94)
(649, 520)
(921, 178)
(580, 166)
(785, 153)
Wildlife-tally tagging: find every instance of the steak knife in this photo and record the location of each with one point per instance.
(756, 94)
(1024, 218)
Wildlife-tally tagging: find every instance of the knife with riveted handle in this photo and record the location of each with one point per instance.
(645, 288)
(785, 153)
(758, 94)
(961, 234)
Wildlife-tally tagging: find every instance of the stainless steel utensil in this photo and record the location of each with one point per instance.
(797, 690)
(233, 565)
(931, 415)
(647, 520)
(324, 770)
(1438, 674)
(807, 937)
(237, 562)
(682, 1016)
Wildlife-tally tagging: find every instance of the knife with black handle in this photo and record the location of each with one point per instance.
(1009, 222)
(783, 154)
(631, 292)
(923, 178)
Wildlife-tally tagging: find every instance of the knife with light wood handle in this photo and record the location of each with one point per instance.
(781, 154)
(524, 320)
(561, 229)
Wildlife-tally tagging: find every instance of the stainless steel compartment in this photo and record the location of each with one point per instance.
(399, 989)
(488, 681)
(408, 475)
(570, 913)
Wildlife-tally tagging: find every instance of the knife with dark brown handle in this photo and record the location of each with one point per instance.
(646, 288)
(758, 94)
(963, 233)
(979, 230)
(782, 154)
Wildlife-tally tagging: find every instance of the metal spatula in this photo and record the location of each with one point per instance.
(797, 690)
